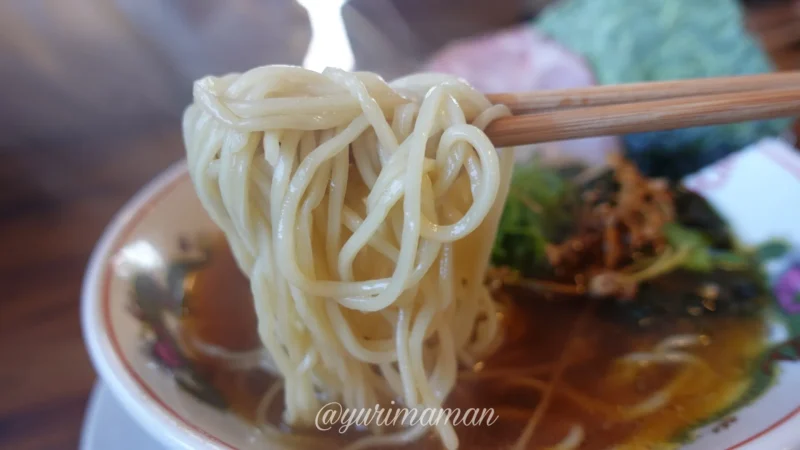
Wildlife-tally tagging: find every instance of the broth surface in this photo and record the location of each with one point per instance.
(596, 391)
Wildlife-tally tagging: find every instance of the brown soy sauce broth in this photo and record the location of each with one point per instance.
(220, 312)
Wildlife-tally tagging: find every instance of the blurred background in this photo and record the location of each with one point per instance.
(93, 91)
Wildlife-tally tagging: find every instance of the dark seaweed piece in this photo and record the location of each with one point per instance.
(672, 163)
(694, 211)
(742, 290)
(686, 293)
(604, 185)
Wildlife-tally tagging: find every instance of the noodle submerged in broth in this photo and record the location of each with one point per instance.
(614, 369)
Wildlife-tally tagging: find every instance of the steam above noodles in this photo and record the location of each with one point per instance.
(363, 214)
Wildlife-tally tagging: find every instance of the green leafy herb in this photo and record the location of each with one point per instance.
(680, 236)
(536, 212)
(692, 244)
(699, 260)
(772, 249)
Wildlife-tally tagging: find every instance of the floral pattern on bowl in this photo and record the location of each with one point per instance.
(787, 289)
(159, 306)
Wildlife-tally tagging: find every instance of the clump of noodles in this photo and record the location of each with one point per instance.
(363, 214)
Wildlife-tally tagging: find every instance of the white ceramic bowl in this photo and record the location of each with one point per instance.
(144, 236)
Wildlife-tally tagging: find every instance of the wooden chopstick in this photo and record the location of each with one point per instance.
(538, 101)
(645, 116)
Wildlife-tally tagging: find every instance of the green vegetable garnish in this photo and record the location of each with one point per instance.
(772, 249)
(536, 211)
(562, 236)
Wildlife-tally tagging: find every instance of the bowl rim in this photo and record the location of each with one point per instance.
(154, 414)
